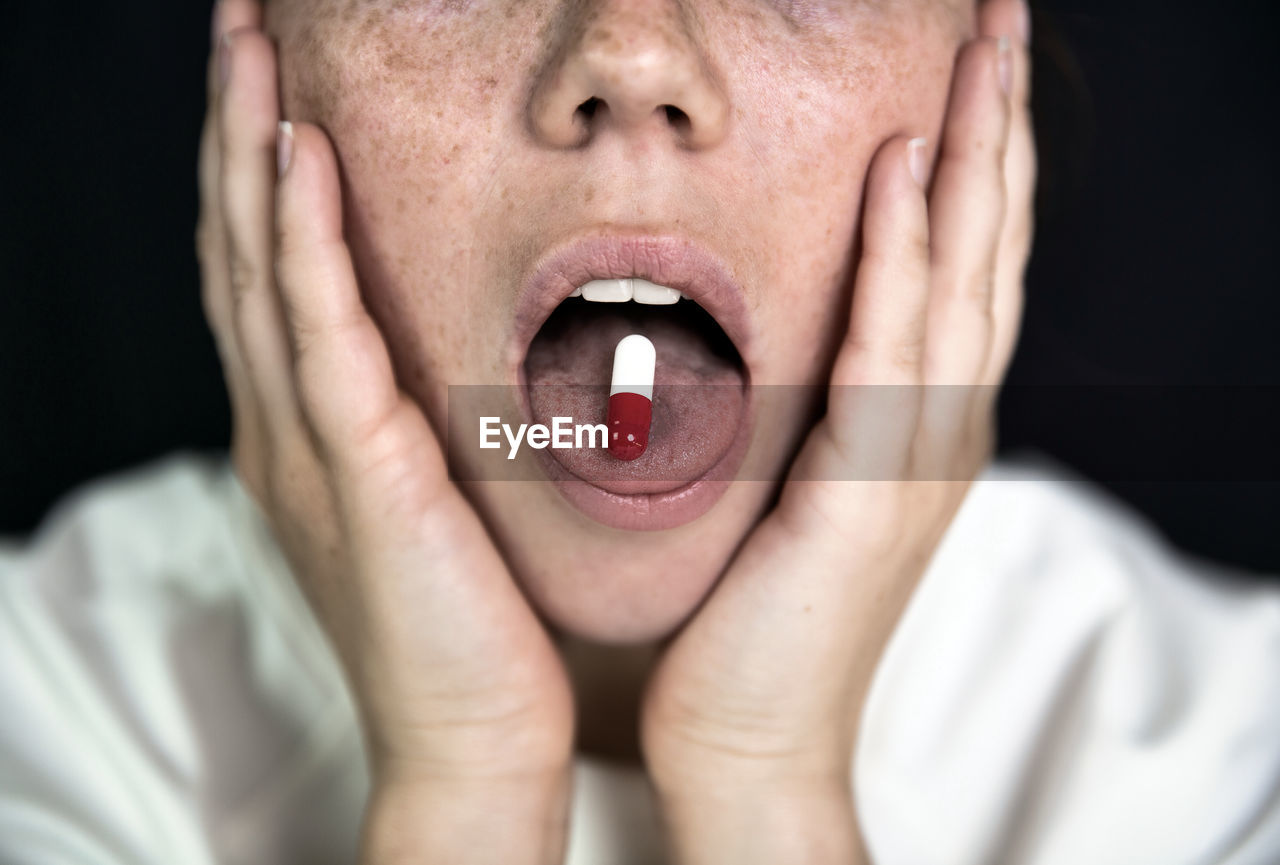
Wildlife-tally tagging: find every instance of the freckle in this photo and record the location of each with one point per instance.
(398, 61)
(400, 205)
(588, 192)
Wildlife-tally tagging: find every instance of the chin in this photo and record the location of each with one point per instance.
(617, 586)
(635, 606)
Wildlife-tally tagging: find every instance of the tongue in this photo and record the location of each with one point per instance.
(698, 395)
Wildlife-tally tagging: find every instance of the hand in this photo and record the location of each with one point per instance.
(751, 716)
(464, 701)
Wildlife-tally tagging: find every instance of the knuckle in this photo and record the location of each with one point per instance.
(313, 394)
(307, 339)
(903, 262)
(243, 274)
(916, 242)
(859, 352)
(243, 316)
(1000, 153)
(905, 354)
(292, 268)
(873, 359)
(978, 289)
(875, 260)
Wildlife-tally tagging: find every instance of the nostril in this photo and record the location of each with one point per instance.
(677, 118)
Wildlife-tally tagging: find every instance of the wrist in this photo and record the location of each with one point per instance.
(687, 760)
(521, 820)
(810, 821)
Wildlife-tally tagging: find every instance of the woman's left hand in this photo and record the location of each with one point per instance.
(750, 718)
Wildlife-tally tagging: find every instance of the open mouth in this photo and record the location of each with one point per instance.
(698, 395)
(590, 299)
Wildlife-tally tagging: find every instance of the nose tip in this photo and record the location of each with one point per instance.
(633, 68)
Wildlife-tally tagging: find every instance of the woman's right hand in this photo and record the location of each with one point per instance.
(465, 703)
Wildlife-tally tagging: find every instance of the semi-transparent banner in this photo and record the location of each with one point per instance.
(753, 433)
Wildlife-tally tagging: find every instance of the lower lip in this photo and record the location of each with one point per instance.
(652, 511)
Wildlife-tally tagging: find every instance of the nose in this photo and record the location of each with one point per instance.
(634, 66)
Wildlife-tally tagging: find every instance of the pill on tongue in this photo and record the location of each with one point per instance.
(631, 397)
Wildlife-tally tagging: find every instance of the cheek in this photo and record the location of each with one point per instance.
(408, 95)
(817, 126)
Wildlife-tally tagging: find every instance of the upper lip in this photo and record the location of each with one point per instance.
(668, 260)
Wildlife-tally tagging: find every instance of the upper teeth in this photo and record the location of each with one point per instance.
(622, 290)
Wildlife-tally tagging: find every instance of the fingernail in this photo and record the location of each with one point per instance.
(917, 160)
(284, 147)
(1024, 22)
(1004, 65)
(224, 59)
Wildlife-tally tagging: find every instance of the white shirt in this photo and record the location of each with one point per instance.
(1063, 688)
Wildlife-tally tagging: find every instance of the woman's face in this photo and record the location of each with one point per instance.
(496, 154)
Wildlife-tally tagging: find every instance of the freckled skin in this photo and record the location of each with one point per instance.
(450, 197)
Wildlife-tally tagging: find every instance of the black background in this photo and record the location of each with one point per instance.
(1153, 267)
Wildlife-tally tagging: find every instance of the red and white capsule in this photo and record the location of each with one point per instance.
(631, 397)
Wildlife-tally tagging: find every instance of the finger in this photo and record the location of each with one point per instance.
(211, 243)
(1012, 17)
(344, 376)
(874, 398)
(967, 213)
(228, 15)
(211, 252)
(248, 120)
